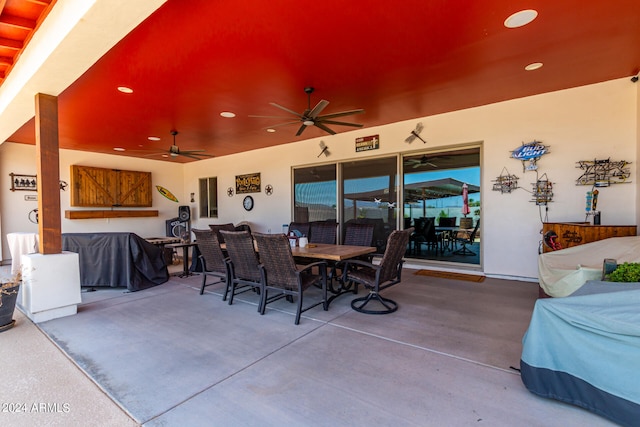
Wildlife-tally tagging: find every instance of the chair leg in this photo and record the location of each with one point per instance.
(464, 250)
(231, 285)
(299, 308)
(390, 305)
(204, 281)
(263, 301)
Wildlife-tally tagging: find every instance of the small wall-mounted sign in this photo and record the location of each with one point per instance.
(31, 197)
(249, 183)
(367, 143)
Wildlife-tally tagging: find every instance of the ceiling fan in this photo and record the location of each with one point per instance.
(312, 117)
(174, 151)
(423, 161)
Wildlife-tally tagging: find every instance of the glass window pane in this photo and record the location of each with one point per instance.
(208, 197)
(369, 190)
(314, 193)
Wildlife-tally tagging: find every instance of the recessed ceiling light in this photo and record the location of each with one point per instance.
(153, 138)
(520, 19)
(271, 130)
(228, 114)
(533, 66)
(125, 89)
(118, 149)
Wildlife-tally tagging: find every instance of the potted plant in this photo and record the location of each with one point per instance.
(8, 297)
(626, 272)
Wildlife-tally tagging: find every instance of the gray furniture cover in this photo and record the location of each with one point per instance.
(117, 260)
(585, 349)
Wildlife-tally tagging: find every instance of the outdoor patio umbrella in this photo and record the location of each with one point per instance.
(465, 200)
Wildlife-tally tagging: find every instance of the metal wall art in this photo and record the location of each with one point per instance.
(324, 149)
(603, 173)
(530, 153)
(505, 182)
(23, 182)
(542, 191)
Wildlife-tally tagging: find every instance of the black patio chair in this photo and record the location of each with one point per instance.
(217, 227)
(376, 277)
(213, 260)
(356, 234)
(301, 227)
(425, 234)
(323, 232)
(465, 239)
(280, 274)
(244, 267)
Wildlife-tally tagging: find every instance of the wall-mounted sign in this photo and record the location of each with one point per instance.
(23, 182)
(249, 183)
(367, 143)
(530, 152)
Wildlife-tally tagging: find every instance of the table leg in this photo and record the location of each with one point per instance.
(185, 261)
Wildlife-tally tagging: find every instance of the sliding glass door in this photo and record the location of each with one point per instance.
(434, 204)
(432, 200)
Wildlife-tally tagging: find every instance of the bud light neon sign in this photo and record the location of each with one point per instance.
(530, 152)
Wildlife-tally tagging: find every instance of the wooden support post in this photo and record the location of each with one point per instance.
(48, 171)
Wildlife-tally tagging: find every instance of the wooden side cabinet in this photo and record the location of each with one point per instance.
(578, 233)
(99, 187)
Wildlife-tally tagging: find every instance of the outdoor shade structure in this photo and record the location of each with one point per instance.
(416, 192)
(435, 189)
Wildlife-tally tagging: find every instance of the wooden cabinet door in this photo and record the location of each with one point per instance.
(99, 187)
(134, 189)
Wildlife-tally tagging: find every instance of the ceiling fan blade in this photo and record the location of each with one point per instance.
(282, 124)
(332, 122)
(302, 128)
(324, 128)
(191, 156)
(196, 153)
(286, 109)
(341, 114)
(318, 108)
(269, 117)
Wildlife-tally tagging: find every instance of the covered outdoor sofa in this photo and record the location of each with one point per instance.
(583, 346)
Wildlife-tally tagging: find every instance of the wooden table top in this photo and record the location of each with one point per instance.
(331, 252)
(327, 251)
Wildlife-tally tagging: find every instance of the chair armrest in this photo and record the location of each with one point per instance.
(306, 267)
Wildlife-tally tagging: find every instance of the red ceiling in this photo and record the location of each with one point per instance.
(193, 59)
(18, 21)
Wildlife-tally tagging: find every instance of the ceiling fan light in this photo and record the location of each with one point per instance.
(308, 122)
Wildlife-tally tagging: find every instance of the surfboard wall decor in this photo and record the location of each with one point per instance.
(166, 193)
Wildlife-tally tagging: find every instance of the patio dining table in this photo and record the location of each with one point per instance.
(335, 253)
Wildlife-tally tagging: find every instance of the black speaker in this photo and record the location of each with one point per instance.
(175, 227)
(184, 213)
